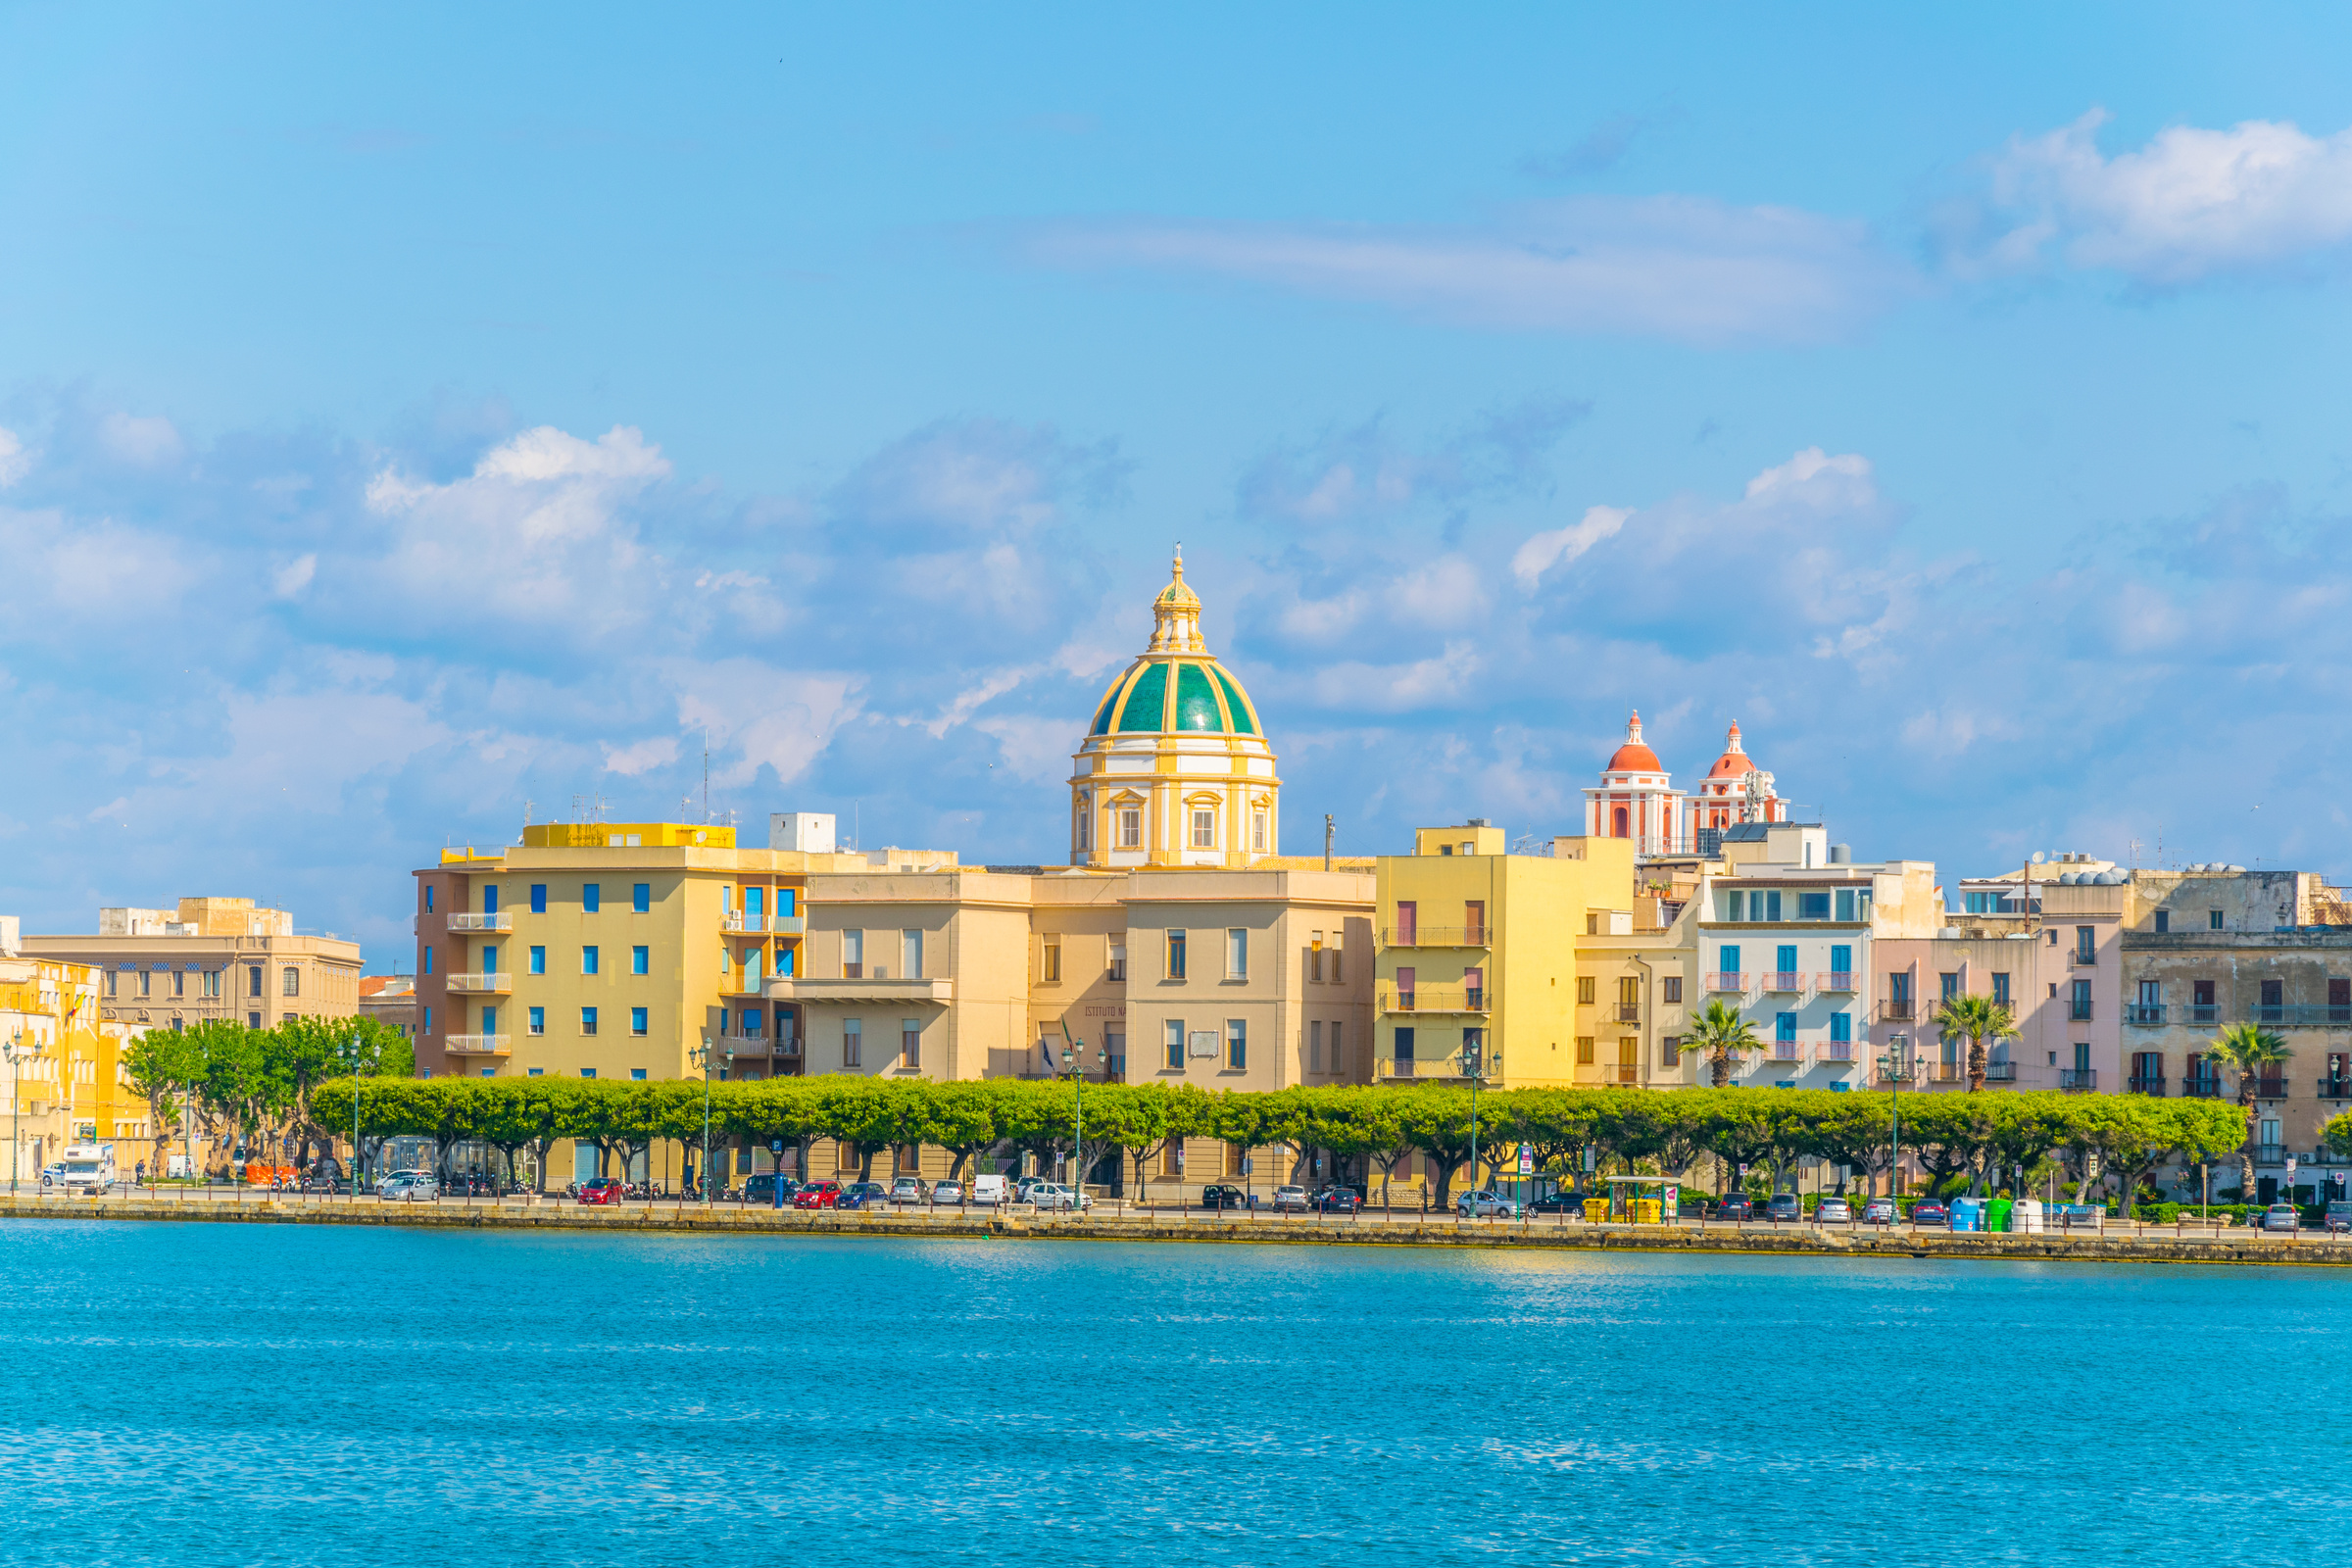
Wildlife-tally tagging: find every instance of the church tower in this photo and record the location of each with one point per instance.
(1175, 770)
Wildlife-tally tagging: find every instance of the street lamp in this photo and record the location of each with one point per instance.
(1897, 1067)
(16, 1055)
(701, 1059)
(353, 1046)
(1073, 1056)
(1474, 1068)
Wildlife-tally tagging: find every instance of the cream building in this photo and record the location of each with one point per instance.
(211, 959)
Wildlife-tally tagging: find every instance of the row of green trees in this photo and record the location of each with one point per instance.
(1972, 1140)
(232, 1086)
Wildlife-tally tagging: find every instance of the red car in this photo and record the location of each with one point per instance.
(602, 1190)
(817, 1194)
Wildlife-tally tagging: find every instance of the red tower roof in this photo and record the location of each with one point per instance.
(1734, 762)
(1633, 757)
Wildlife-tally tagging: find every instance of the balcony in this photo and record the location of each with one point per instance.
(2077, 1008)
(800, 988)
(2304, 1016)
(1629, 1012)
(1730, 981)
(1435, 936)
(2270, 1088)
(2203, 1014)
(1397, 1069)
(478, 1045)
(2082, 958)
(1834, 980)
(789, 926)
(2270, 1154)
(480, 985)
(2146, 1086)
(2144, 1015)
(1784, 980)
(736, 920)
(1434, 999)
(501, 921)
(2078, 1079)
(2000, 1072)
(2334, 1087)
(1903, 1011)
(1786, 1051)
(2200, 1087)
(1943, 1072)
(1840, 1053)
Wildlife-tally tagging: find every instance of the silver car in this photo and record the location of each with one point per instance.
(408, 1187)
(2282, 1217)
(1289, 1199)
(1055, 1195)
(1474, 1205)
(1834, 1212)
(947, 1192)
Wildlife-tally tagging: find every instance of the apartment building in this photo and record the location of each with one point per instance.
(211, 959)
(61, 1061)
(391, 1001)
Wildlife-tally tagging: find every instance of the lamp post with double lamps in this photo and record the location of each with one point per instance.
(1073, 1056)
(701, 1059)
(1474, 1068)
(1896, 1066)
(17, 1056)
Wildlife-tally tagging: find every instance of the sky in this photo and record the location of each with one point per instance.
(415, 417)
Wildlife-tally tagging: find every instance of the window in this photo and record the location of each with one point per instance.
(2087, 943)
(489, 1020)
(2079, 1004)
(1258, 832)
(853, 954)
(253, 1020)
(1813, 905)
(1315, 1045)
(1670, 1051)
(252, 974)
(637, 1020)
(538, 1020)
(911, 953)
(1951, 985)
(1785, 968)
(424, 966)
(1406, 979)
(1784, 1026)
(910, 1042)
(538, 898)
(1176, 952)
(1764, 903)
(147, 980)
(1727, 960)
(592, 897)
(587, 1021)
(641, 897)
(2213, 919)
(752, 1024)
(1408, 922)
(2000, 988)
(852, 1042)
(1583, 1050)
(1474, 989)
(1671, 988)
(588, 1072)
(1845, 905)
(1050, 969)
(1337, 954)
(1314, 955)
(180, 983)
(1084, 838)
(1130, 828)
(641, 959)
(1335, 1064)
(1841, 1027)
(1118, 960)
(1585, 984)
(1474, 922)
(1841, 967)
(1406, 1048)
(588, 961)
(2163, 919)
(1205, 829)
(211, 983)
(428, 897)
(1629, 993)
(538, 960)
(1237, 1044)
(1175, 1029)
(1237, 952)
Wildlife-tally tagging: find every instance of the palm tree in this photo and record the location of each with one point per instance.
(2250, 1049)
(1721, 1034)
(1979, 1019)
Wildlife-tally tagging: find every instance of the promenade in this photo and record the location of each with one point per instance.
(2115, 1242)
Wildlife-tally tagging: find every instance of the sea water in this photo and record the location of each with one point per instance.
(201, 1393)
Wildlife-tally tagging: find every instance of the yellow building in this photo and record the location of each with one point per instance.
(62, 1066)
(207, 959)
(1478, 951)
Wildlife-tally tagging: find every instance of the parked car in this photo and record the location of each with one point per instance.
(408, 1186)
(907, 1190)
(1834, 1212)
(1021, 1185)
(2338, 1216)
(817, 1194)
(863, 1195)
(989, 1189)
(1738, 1206)
(1218, 1196)
(1053, 1195)
(1291, 1199)
(1479, 1205)
(763, 1188)
(1878, 1211)
(1930, 1213)
(1339, 1200)
(2280, 1218)
(1558, 1203)
(947, 1192)
(1783, 1207)
(605, 1190)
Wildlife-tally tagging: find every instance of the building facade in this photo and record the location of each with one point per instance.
(225, 959)
(1636, 799)
(61, 1062)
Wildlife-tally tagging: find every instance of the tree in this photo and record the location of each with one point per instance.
(1722, 1034)
(165, 1066)
(1949, 1135)
(960, 1117)
(1855, 1131)
(2249, 1047)
(1977, 1019)
(1436, 1121)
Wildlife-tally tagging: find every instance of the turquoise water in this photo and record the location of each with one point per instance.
(199, 1394)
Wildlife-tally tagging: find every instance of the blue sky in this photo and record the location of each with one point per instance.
(410, 413)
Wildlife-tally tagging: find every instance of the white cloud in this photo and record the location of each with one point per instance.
(2190, 204)
(1393, 688)
(1037, 748)
(773, 717)
(631, 761)
(146, 442)
(294, 576)
(1561, 547)
(1674, 267)
(15, 460)
(1842, 480)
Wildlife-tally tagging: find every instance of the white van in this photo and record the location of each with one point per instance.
(988, 1191)
(89, 1167)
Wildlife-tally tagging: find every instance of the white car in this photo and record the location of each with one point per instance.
(408, 1187)
(1055, 1195)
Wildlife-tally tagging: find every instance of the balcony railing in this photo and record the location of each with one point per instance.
(2203, 1014)
(2145, 1014)
(481, 985)
(1435, 936)
(478, 1045)
(2077, 1008)
(2000, 1072)
(1943, 1072)
(737, 920)
(2334, 1087)
(1903, 1011)
(789, 926)
(1629, 1012)
(1784, 980)
(2079, 1078)
(1836, 980)
(2270, 1088)
(2082, 959)
(2302, 1016)
(1397, 1067)
(2201, 1086)
(2146, 1086)
(2270, 1154)
(1787, 1050)
(501, 921)
(1839, 1051)
(1729, 980)
(1434, 999)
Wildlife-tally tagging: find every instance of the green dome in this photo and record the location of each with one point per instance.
(1185, 694)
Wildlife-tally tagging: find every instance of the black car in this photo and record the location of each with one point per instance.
(1558, 1203)
(1221, 1196)
(1784, 1208)
(1736, 1206)
(759, 1188)
(1339, 1200)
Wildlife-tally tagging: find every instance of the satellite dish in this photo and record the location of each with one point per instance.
(2037, 856)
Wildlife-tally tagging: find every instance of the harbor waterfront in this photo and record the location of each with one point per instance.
(217, 1394)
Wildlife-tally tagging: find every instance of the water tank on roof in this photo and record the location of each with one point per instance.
(1841, 854)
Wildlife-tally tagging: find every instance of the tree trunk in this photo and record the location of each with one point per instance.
(1976, 1064)
(1720, 1068)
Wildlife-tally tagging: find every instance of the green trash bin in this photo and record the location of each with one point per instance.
(1996, 1218)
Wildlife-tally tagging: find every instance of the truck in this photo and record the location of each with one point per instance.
(89, 1167)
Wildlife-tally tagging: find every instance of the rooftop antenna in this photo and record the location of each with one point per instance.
(1327, 830)
(526, 813)
(705, 778)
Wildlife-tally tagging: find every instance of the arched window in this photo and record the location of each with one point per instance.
(1620, 833)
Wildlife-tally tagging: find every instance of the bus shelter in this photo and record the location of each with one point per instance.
(1637, 1201)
